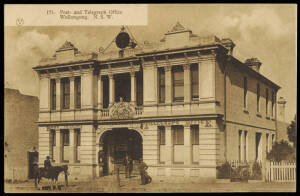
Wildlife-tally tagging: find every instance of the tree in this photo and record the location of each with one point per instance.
(292, 131)
(282, 151)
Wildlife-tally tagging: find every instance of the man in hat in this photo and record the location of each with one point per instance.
(47, 164)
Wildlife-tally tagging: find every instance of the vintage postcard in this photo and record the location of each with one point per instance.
(150, 98)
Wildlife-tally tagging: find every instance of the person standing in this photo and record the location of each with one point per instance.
(126, 164)
(143, 167)
(130, 166)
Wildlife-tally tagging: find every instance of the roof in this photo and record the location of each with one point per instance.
(177, 28)
(67, 46)
(249, 70)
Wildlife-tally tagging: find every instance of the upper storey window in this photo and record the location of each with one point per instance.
(178, 83)
(195, 81)
(258, 98)
(245, 92)
(65, 87)
(267, 101)
(273, 104)
(161, 84)
(53, 94)
(77, 92)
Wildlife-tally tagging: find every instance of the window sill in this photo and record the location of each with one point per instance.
(178, 163)
(258, 115)
(268, 117)
(245, 110)
(66, 110)
(65, 161)
(178, 103)
(272, 118)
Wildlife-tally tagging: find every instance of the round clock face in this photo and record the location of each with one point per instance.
(122, 40)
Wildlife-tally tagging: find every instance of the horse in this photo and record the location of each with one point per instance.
(52, 173)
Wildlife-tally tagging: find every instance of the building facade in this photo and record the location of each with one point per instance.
(183, 105)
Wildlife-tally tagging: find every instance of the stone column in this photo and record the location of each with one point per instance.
(72, 145)
(199, 79)
(133, 87)
(111, 89)
(58, 146)
(187, 83)
(168, 84)
(96, 160)
(187, 145)
(169, 146)
(100, 92)
(72, 87)
(58, 92)
(213, 73)
(242, 146)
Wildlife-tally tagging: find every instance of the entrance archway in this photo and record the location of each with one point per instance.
(118, 143)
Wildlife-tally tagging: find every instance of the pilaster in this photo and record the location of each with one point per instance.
(72, 88)
(168, 84)
(72, 145)
(111, 89)
(169, 147)
(187, 83)
(58, 94)
(133, 87)
(58, 146)
(100, 92)
(187, 145)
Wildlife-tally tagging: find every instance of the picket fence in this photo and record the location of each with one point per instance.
(281, 171)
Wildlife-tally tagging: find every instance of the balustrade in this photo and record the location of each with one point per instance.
(106, 113)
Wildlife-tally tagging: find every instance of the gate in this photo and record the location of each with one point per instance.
(32, 157)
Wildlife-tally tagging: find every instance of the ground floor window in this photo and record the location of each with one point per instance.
(178, 144)
(195, 143)
(258, 146)
(65, 145)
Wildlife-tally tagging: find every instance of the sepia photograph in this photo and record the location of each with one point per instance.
(150, 98)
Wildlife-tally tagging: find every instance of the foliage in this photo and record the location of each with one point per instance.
(256, 171)
(292, 132)
(240, 173)
(281, 151)
(223, 171)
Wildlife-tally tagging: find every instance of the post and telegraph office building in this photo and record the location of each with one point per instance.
(183, 105)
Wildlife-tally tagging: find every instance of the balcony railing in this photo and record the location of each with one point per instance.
(121, 112)
(105, 112)
(139, 110)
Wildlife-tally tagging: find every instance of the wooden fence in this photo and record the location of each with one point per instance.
(280, 171)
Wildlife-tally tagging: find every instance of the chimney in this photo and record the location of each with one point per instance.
(281, 109)
(253, 63)
(228, 44)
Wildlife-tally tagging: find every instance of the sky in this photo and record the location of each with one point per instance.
(265, 31)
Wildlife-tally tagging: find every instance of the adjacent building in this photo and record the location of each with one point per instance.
(183, 105)
(21, 113)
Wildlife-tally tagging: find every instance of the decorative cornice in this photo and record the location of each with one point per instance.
(186, 66)
(168, 68)
(186, 58)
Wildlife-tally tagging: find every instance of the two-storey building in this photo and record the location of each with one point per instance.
(184, 105)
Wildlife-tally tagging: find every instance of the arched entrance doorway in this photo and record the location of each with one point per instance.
(116, 144)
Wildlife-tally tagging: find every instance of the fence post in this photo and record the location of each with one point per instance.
(271, 168)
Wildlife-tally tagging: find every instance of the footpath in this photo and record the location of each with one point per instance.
(108, 184)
